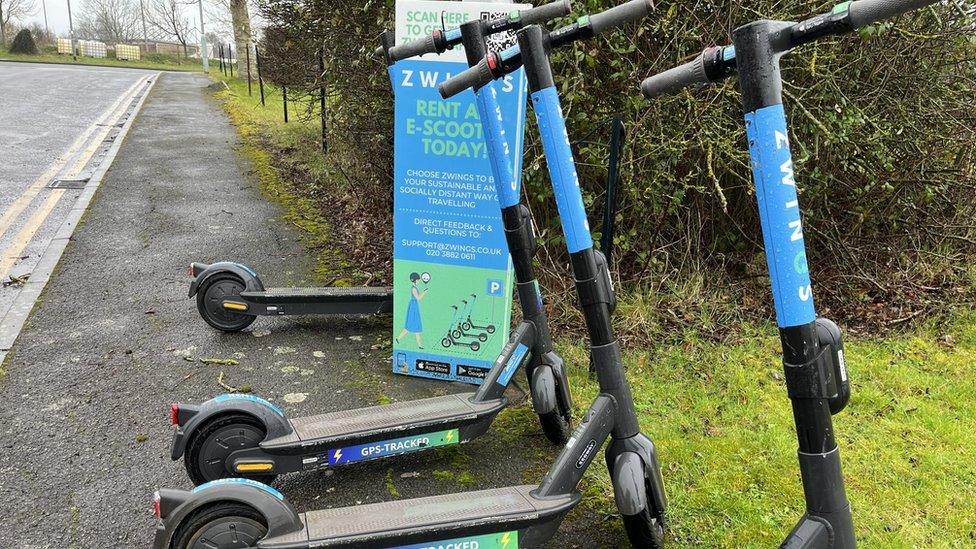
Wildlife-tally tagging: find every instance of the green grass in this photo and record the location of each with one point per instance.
(724, 431)
(110, 62)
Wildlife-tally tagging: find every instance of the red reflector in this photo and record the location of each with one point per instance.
(492, 61)
(189, 270)
(174, 414)
(156, 511)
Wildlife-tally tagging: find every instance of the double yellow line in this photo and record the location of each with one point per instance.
(93, 136)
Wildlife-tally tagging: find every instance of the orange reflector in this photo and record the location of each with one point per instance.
(235, 306)
(251, 467)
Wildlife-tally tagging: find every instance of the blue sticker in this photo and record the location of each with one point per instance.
(494, 287)
(244, 481)
(562, 169)
(509, 53)
(499, 153)
(453, 34)
(779, 212)
(252, 398)
(728, 53)
(404, 445)
(512, 365)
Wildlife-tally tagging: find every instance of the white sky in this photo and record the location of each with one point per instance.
(57, 14)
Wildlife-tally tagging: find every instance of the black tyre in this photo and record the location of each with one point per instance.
(482, 337)
(446, 342)
(557, 426)
(645, 529)
(207, 452)
(465, 325)
(491, 328)
(224, 525)
(475, 346)
(210, 299)
(456, 334)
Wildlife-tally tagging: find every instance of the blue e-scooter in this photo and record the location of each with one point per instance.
(235, 512)
(813, 356)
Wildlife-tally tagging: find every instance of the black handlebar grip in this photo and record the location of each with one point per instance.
(546, 12)
(673, 79)
(414, 48)
(620, 15)
(473, 77)
(865, 12)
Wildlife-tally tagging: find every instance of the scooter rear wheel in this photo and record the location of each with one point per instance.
(210, 299)
(224, 525)
(207, 452)
(645, 529)
(556, 426)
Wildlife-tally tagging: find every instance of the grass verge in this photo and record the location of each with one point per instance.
(106, 62)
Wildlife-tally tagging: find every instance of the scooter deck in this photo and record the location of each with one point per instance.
(323, 294)
(400, 417)
(367, 300)
(439, 517)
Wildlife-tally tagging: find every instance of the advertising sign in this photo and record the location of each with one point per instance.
(452, 272)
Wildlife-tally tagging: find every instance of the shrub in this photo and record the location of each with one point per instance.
(24, 43)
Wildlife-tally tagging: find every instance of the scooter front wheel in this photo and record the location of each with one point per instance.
(223, 525)
(556, 426)
(210, 303)
(645, 529)
(207, 452)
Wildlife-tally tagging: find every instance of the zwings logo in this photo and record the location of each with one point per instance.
(799, 262)
(585, 454)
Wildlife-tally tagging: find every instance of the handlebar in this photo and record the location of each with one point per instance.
(865, 12)
(714, 64)
(495, 65)
(440, 41)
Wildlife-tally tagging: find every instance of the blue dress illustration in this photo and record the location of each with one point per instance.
(413, 322)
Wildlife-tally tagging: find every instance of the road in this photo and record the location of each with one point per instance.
(114, 339)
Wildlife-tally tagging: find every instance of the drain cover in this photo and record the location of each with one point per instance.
(69, 183)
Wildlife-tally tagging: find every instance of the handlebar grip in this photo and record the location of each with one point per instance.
(414, 48)
(865, 12)
(472, 77)
(620, 15)
(546, 12)
(673, 79)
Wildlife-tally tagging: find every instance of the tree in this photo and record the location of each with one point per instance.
(109, 20)
(166, 16)
(241, 21)
(11, 10)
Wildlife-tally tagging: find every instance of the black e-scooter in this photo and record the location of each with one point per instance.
(238, 512)
(246, 436)
(813, 353)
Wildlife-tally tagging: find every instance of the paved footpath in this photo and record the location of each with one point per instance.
(114, 340)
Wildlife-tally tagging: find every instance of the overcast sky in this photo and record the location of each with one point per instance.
(57, 14)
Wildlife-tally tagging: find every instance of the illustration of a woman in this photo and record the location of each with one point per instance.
(413, 322)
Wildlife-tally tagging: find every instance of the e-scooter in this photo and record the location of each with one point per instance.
(813, 355)
(246, 436)
(243, 512)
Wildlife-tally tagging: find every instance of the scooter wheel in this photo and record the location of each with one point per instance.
(482, 337)
(457, 334)
(491, 328)
(207, 452)
(210, 298)
(475, 346)
(223, 525)
(645, 529)
(466, 325)
(556, 426)
(446, 342)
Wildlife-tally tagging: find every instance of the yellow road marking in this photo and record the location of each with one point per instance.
(26, 197)
(23, 238)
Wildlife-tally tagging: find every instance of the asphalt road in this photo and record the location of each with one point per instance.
(84, 400)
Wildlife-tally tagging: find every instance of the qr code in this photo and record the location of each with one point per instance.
(502, 40)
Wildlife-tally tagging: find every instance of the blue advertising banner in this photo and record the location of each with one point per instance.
(452, 272)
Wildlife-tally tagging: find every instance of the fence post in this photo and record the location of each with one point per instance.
(247, 54)
(257, 59)
(230, 60)
(613, 174)
(284, 100)
(222, 71)
(325, 144)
